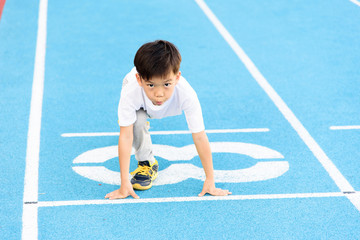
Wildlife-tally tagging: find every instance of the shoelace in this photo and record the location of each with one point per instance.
(142, 170)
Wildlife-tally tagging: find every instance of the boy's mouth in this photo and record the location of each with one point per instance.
(158, 103)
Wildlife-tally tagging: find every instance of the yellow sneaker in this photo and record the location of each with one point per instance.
(144, 175)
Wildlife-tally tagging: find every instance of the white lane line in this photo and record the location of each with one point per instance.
(354, 127)
(29, 218)
(356, 2)
(30, 224)
(103, 134)
(314, 147)
(190, 199)
(354, 199)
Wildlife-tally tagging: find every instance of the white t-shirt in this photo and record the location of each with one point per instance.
(184, 98)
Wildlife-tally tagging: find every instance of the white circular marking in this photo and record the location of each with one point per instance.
(176, 173)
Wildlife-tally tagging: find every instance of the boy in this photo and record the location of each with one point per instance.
(155, 89)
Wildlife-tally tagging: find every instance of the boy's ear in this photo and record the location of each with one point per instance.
(178, 77)
(138, 78)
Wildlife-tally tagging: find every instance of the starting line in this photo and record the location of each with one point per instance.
(190, 199)
(105, 134)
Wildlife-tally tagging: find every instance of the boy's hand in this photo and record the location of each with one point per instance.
(124, 191)
(209, 187)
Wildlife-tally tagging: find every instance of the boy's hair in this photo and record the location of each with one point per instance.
(157, 59)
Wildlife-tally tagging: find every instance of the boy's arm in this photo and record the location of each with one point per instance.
(124, 147)
(203, 148)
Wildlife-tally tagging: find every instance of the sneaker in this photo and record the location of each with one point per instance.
(144, 175)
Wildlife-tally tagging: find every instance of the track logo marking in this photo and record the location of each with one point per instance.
(178, 172)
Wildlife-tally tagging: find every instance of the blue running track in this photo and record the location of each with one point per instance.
(279, 85)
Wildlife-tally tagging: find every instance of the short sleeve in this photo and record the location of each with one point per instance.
(193, 114)
(126, 113)
(130, 100)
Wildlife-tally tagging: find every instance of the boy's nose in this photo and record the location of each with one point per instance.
(159, 93)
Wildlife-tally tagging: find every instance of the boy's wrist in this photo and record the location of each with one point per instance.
(124, 178)
(210, 179)
(209, 175)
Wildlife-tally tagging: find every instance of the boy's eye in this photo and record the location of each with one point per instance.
(151, 85)
(167, 84)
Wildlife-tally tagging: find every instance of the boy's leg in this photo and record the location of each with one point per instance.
(147, 168)
(142, 140)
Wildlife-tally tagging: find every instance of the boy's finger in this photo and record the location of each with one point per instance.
(202, 193)
(134, 195)
(219, 192)
(226, 192)
(117, 197)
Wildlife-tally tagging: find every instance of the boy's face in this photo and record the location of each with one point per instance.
(159, 89)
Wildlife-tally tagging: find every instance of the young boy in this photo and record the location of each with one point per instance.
(156, 89)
